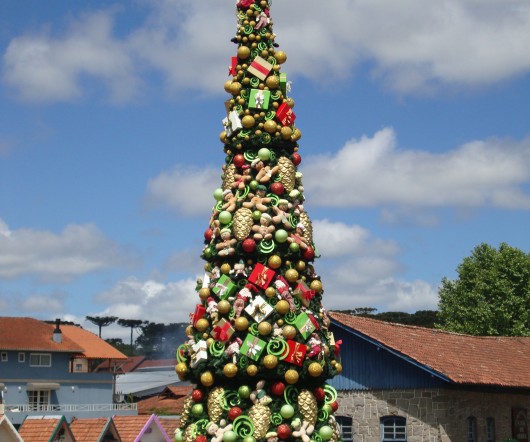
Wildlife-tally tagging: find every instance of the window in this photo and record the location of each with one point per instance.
(346, 427)
(39, 400)
(22, 357)
(40, 360)
(490, 429)
(471, 429)
(4, 356)
(393, 428)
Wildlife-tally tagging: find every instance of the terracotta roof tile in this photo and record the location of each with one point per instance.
(156, 363)
(130, 426)
(41, 429)
(93, 346)
(125, 366)
(170, 401)
(32, 334)
(464, 359)
(170, 424)
(91, 429)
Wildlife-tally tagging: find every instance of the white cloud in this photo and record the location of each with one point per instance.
(412, 46)
(172, 190)
(77, 250)
(373, 171)
(51, 305)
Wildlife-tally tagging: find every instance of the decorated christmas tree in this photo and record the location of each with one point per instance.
(259, 349)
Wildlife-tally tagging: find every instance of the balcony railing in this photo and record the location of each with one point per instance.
(68, 408)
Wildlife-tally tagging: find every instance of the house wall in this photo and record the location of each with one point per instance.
(433, 415)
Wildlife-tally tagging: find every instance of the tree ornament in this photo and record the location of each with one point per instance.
(264, 328)
(230, 370)
(234, 412)
(201, 438)
(274, 262)
(264, 154)
(225, 217)
(215, 410)
(241, 323)
(235, 88)
(287, 411)
(197, 395)
(316, 285)
(326, 432)
(204, 294)
(202, 324)
(244, 392)
(249, 245)
(197, 410)
(260, 416)
(291, 275)
(291, 376)
(243, 52)
(288, 331)
(308, 406)
(272, 82)
(252, 370)
(248, 121)
(284, 431)
(223, 306)
(239, 160)
(282, 307)
(280, 56)
(296, 158)
(225, 268)
(270, 126)
(315, 369)
(270, 361)
(207, 379)
(181, 369)
(277, 188)
(229, 436)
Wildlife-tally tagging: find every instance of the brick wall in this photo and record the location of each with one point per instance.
(433, 415)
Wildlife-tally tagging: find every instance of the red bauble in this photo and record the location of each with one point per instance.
(283, 431)
(234, 412)
(277, 188)
(201, 438)
(278, 388)
(208, 235)
(309, 253)
(239, 160)
(334, 406)
(249, 245)
(296, 158)
(319, 393)
(197, 395)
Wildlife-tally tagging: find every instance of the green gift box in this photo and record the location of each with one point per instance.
(224, 287)
(304, 325)
(259, 99)
(252, 347)
(283, 84)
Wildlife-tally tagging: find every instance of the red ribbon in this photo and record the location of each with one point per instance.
(221, 333)
(245, 3)
(337, 346)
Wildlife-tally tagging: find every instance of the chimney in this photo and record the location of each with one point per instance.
(57, 333)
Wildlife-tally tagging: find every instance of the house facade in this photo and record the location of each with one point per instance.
(404, 383)
(49, 369)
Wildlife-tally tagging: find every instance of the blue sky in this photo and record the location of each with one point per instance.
(415, 147)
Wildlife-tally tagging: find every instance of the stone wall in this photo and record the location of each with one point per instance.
(433, 415)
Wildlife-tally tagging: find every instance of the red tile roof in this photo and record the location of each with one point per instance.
(125, 366)
(32, 334)
(170, 401)
(464, 359)
(170, 424)
(155, 363)
(42, 429)
(130, 427)
(93, 346)
(92, 429)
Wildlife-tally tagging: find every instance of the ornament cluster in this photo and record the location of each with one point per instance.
(259, 346)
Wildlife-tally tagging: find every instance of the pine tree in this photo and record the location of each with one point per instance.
(259, 349)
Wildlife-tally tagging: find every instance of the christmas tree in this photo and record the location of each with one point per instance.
(259, 349)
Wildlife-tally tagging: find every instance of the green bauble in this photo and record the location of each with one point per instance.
(225, 217)
(264, 154)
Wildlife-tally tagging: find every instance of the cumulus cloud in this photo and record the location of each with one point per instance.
(411, 46)
(43, 305)
(171, 190)
(77, 250)
(368, 172)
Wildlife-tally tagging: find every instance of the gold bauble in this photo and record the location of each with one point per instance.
(230, 370)
(228, 85)
(222, 137)
(290, 102)
(204, 293)
(252, 370)
(291, 275)
(291, 376)
(202, 324)
(270, 126)
(280, 322)
(288, 332)
(207, 379)
(286, 132)
(241, 323)
(189, 330)
(235, 88)
(338, 367)
(223, 306)
(300, 266)
(316, 285)
(264, 328)
(248, 121)
(315, 369)
(270, 292)
(296, 135)
(243, 52)
(181, 369)
(270, 361)
(274, 262)
(280, 56)
(225, 268)
(282, 307)
(209, 341)
(272, 81)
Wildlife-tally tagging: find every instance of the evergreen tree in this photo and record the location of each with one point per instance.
(259, 348)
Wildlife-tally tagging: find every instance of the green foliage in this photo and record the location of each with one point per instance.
(491, 296)
(159, 341)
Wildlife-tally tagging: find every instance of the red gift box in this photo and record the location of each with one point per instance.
(232, 69)
(296, 353)
(285, 114)
(222, 331)
(200, 311)
(303, 292)
(261, 276)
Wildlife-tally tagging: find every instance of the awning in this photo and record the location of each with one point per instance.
(34, 386)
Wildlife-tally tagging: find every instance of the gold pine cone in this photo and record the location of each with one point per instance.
(242, 223)
(185, 416)
(308, 406)
(215, 410)
(287, 173)
(229, 174)
(306, 221)
(260, 416)
(189, 433)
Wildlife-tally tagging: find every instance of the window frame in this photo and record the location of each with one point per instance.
(471, 423)
(345, 424)
(393, 429)
(21, 357)
(40, 356)
(490, 429)
(4, 357)
(39, 400)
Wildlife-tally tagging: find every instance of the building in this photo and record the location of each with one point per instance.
(8, 432)
(98, 429)
(405, 383)
(46, 429)
(141, 429)
(49, 369)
